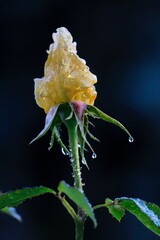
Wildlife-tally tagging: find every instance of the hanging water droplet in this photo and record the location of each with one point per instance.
(130, 139)
(94, 155)
(64, 152)
(79, 145)
(71, 160)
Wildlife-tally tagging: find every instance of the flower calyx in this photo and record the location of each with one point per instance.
(74, 114)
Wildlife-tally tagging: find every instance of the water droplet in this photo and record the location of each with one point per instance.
(84, 161)
(130, 139)
(94, 155)
(71, 160)
(64, 152)
(79, 145)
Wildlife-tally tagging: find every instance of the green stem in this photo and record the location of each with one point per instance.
(99, 206)
(73, 140)
(79, 230)
(75, 157)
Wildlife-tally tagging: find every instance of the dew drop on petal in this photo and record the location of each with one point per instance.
(94, 155)
(130, 139)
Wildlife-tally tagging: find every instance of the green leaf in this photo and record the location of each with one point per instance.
(79, 198)
(14, 198)
(114, 209)
(147, 213)
(92, 110)
(12, 212)
(48, 122)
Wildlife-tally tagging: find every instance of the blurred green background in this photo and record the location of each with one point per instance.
(120, 40)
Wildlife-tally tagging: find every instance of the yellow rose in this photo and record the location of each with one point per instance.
(66, 76)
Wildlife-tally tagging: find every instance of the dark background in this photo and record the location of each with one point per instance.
(120, 40)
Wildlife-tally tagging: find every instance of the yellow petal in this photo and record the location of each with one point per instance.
(66, 76)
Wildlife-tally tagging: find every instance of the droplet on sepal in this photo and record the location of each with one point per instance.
(64, 152)
(84, 161)
(71, 160)
(94, 155)
(130, 139)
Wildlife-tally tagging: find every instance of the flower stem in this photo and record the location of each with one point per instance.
(75, 157)
(68, 207)
(73, 140)
(79, 230)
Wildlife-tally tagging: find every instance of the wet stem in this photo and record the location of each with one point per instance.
(73, 140)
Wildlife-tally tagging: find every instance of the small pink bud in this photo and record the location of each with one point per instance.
(78, 107)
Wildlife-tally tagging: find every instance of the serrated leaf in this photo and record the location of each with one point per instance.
(48, 122)
(79, 198)
(95, 111)
(14, 198)
(115, 210)
(12, 212)
(147, 213)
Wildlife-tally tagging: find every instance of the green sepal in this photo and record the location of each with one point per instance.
(59, 140)
(79, 198)
(114, 209)
(51, 143)
(82, 147)
(11, 211)
(92, 136)
(15, 198)
(48, 122)
(81, 139)
(78, 107)
(147, 213)
(95, 112)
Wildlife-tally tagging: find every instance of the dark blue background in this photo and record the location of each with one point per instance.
(120, 40)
